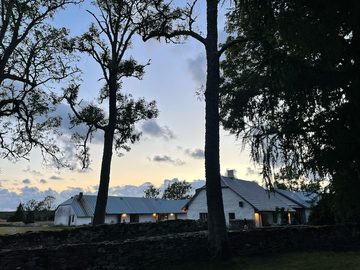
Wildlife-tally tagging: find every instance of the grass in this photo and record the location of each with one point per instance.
(15, 229)
(290, 261)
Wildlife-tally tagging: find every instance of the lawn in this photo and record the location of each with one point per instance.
(15, 229)
(291, 261)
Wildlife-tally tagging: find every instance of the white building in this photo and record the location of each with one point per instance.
(242, 200)
(79, 210)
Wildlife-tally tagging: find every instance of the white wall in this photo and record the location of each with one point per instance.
(82, 221)
(182, 216)
(110, 219)
(231, 205)
(62, 214)
(147, 218)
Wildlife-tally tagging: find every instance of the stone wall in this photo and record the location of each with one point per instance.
(96, 234)
(161, 251)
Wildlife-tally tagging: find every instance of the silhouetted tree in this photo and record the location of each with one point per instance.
(174, 24)
(118, 22)
(32, 54)
(178, 191)
(151, 192)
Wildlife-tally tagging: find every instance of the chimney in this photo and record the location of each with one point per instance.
(230, 174)
(80, 196)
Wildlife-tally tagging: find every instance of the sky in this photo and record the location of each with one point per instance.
(172, 145)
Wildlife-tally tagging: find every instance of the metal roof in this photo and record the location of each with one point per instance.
(254, 194)
(297, 197)
(251, 192)
(125, 205)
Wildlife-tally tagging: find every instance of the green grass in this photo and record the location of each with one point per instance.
(290, 261)
(15, 229)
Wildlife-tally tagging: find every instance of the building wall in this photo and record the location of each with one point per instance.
(62, 215)
(231, 205)
(182, 216)
(147, 218)
(82, 221)
(111, 219)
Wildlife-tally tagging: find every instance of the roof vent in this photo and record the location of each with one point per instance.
(230, 174)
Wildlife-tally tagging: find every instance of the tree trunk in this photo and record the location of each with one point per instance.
(218, 239)
(101, 201)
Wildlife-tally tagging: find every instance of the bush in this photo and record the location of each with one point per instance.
(30, 217)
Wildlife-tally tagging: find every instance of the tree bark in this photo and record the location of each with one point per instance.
(101, 201)
(218, 239)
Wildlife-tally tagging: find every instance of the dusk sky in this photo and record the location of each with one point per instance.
(172, 145)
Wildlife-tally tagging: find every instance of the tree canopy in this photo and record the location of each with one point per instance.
(151, 192)
(291, 92)
(32, 55)
(178, 191)
(106, 42)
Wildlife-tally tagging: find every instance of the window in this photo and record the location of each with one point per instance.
(231, 216)
(241, 204)
(203, 216)
(73, 218)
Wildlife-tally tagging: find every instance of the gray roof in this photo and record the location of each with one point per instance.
(124, 205)
(297, 197)
(254, 194)
(251, 192)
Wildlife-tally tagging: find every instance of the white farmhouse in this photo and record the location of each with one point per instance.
(242, 200)
(79, 210)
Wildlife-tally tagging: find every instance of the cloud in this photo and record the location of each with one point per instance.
(197, 153)
(42, 181)
(197, 68)
(167, 159)
(152, 128)
(26, 181)
(10, 199)
(56, 178)
(250, 171)
(33, 171)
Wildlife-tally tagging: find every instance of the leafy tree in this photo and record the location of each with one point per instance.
(48, 203)
(174, 24)
(288, 179)
(32, 205)
(32, 55)
(151, 192)
(291, 92)
(30, 217)
(19, 214)
(178, 191)
(118, 23)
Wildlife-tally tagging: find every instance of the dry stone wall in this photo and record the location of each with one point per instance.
(162, 251)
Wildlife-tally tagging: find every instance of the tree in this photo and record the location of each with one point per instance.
(30, 217)
(19, 214)
(48, 203)
(178, 191)
(174, 23)
(292, 92)
(118, 23)
(151, 191)
(32, 55)
(32, 205)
